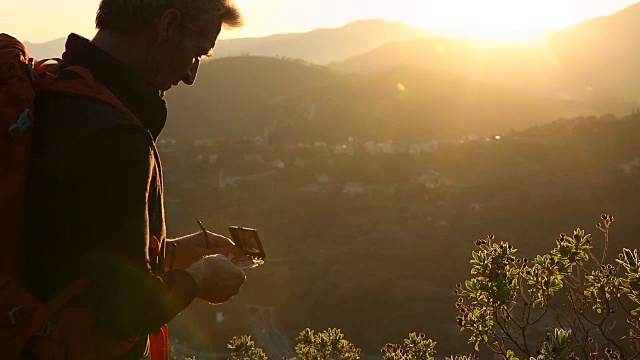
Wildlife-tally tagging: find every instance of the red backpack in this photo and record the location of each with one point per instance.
(24, 318)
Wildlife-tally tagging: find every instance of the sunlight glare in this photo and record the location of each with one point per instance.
(521, 20)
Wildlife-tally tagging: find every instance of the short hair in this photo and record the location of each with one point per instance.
(129, 16)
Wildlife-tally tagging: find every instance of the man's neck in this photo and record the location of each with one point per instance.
(126, 49)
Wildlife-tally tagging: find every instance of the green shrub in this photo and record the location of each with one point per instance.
(325, 345)
(415, 347)
(567, 304)
(509, 300)
(243, 348)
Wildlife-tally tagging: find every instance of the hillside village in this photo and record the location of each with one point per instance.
(234, 163)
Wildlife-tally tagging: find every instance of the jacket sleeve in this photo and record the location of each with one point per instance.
(110, 173)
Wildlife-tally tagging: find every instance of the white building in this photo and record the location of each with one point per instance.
(353, 188)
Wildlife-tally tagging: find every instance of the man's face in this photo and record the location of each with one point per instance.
(177, 59)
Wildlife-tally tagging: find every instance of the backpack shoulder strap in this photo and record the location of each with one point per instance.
(44, 313)
(86, 86)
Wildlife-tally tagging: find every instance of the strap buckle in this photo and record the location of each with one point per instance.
(20, 127)
(13, 315)
(46, 329)
(13, 319)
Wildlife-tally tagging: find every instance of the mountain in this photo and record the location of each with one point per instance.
(411, 104)
(231, 94)
(601, 54)
(521, 66)
(49, 49)
(591, 61)
(300, 102)
(320, 46)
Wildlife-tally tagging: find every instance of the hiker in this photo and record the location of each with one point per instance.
(94, 194)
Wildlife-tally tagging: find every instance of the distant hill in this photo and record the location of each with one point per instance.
(320, 46)
(593, 61)
(302, 102)
(231, 94)
(520, 66)
(601, 54)
(409, 103)
(49, 49)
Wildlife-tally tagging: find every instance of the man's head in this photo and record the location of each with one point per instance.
(164, 39)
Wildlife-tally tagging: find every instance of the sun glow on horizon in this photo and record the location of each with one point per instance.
(486, 19)
(496, 37)
(514, 20)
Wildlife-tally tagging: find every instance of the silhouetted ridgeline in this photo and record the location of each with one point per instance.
(319, 46)
(595, 60)
(322, 46)
(419, 89)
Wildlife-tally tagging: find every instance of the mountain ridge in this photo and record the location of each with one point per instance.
(590, 60)
(348, 40)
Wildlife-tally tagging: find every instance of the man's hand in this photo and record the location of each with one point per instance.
(218, 279)
(187, 250)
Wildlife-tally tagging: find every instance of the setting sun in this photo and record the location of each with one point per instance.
(494, 18)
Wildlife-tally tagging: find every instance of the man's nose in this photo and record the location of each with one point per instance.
(189, 76)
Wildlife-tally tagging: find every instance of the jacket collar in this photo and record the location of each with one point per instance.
(138, 95)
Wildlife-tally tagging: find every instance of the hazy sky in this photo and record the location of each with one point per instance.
(44, 20)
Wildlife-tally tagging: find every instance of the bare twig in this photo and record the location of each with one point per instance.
(504, 329)
(606, 243)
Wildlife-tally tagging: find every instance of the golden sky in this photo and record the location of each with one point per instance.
(44, 20)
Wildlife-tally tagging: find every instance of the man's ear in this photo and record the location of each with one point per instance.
(168, 25)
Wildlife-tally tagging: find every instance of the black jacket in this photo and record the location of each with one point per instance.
(94, 193)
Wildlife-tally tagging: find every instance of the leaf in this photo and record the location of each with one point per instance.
(628, 255)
